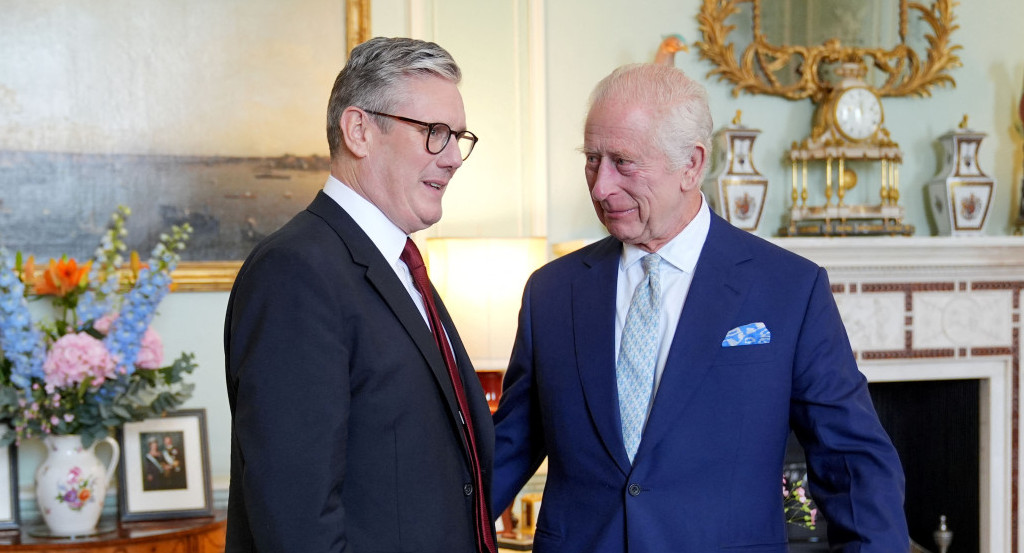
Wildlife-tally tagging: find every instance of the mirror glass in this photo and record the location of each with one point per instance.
(861, 23)
(855, 23)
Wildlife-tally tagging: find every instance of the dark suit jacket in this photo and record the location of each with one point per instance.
(344, 435)
(707, 475)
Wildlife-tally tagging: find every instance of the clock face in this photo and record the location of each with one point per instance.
(858, 113)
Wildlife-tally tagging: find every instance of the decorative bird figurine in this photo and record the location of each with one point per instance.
(670, 44)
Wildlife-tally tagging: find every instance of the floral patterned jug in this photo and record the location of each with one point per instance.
(71, 484)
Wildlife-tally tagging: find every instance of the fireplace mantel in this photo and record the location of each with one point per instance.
(913, 254)
(920, 308)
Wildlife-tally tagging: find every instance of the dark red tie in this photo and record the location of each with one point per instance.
(412, 258)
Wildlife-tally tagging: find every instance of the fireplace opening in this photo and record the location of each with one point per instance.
(935, 427)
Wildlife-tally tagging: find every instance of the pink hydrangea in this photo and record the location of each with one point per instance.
(104, 323)
(151, 350)
(74, 357)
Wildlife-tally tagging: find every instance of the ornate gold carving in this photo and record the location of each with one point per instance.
(758, 68)
(204, 276)
(357, 22)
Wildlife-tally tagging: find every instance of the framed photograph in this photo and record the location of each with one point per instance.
(9, 489)
(165, 468)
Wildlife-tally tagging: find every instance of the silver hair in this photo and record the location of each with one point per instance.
(372, 78)
(680, 104)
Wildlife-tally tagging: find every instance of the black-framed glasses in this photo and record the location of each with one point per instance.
(438, 135)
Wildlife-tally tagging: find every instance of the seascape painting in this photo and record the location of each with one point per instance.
(60, 203)
(206, 112)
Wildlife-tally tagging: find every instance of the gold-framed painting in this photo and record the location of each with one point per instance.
(210, 113)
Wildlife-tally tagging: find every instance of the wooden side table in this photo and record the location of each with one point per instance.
(193, 535)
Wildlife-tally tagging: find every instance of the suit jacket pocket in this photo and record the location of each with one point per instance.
(544, 539)
(781, 547)
(741, 355)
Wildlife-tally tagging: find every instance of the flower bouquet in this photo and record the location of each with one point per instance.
(97, 364)
(799, 507)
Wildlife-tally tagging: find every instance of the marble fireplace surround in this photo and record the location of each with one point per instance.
(920, 309)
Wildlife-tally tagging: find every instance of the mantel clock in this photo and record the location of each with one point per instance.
(848, 127)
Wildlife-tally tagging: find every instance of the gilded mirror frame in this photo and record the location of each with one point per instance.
(756, 70)
(218, 276)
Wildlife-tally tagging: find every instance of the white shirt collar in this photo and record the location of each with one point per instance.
(388, 238)
(683, 250)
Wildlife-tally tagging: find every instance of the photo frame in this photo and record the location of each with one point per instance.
(9, 514)
(165, 468)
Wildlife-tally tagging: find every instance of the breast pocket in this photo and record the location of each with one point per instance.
(741, 355)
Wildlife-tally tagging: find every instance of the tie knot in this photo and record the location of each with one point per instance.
(411, 255)
(650, 263)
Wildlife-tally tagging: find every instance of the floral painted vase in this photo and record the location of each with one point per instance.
(71, 484)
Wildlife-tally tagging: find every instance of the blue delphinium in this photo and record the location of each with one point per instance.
(140, 302)
(93, 304)
(44, 389)
(23, 343)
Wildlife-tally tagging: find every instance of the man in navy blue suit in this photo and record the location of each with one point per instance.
(661, 369)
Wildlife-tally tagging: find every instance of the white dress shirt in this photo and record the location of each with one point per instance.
(679, 259)
(384, 234)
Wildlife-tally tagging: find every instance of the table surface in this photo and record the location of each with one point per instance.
(122, 533)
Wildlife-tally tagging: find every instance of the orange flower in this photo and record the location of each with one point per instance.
(28, 271)
(61, 277)
(84, 495)
(136, 265)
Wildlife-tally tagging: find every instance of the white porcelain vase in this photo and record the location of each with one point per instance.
(71, 484)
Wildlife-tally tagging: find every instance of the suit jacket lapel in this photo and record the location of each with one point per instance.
(479, 411)
(593, 315)
(382, 277)
(717, 290)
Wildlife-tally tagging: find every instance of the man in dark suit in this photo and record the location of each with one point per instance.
(153, 467)
(660, 370)
(174, 469)
(350, 431)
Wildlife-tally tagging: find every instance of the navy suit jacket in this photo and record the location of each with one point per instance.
(344, 433)
(707, 475)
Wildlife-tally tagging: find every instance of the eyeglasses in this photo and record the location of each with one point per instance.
(438, 135)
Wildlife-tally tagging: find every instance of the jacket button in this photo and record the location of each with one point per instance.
(634, 489)
(467, 489)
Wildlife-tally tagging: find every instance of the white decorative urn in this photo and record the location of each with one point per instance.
(961, 193)
(735, 189)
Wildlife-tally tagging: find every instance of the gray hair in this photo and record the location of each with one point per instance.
(372, 78)
(680, 105)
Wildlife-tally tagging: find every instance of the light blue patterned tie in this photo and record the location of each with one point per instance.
(638, 354)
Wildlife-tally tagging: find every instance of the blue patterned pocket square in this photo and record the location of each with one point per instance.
(747, 335)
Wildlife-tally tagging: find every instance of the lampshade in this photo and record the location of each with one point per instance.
(481, 282)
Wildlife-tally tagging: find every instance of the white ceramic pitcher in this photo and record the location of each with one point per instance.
(71, 484)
